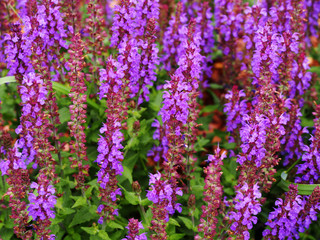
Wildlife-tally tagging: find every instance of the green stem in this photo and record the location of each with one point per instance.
(293, 165)
(143, 212)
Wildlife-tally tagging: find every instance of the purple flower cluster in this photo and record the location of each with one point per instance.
(44, 33)
(33, 97)
(133, 230)
(110, 156)
(292, 215)
(42, 201)
(235, 108)
(109, 145)
(134, 33)
(172, 38)
(131, 19)
(149, 60)
(313, 11)
(163, 194)
(246, 207)
(229, 19)
(310, 168)
(268, 47)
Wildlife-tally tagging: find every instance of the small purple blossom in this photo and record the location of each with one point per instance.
(162, 193)
(246, 207)
(133, 230)
(42, 201)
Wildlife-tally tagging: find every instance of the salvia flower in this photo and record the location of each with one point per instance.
(163, 195)
(19, 181)
(310, 168)
(133, 230)
(292, 215)
(235, 108)
(109, 145)
(42, 202)
(212, 195)
(173, 37)
(78, 108)
(33, 96)
(246, 207)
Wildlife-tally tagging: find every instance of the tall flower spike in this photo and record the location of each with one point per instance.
(173, 37)
(77, 109)
(163, 195)
(149, 60)
(309, 171)
(19, 180)
(33, 96)
(229, 20)
(95, 28)
(109, 145)
(212, 195)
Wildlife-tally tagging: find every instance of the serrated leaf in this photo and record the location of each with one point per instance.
(90, 230)
(81, 216)
(7, 79)
(174, 222)
(81, 201)
(103, 235)
(176, 236)
(64, 115)
(115, 225)
(187, 222)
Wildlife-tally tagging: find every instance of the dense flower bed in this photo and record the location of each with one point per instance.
(159, 119)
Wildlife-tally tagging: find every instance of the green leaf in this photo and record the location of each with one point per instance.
(61, 88)
(127, 174)
(209, 108)
(81, 201)
(216, 86)
(7, 79)
(90, 230)
(67, 211)
(64, 115)
(113, 224)
(174, 222)
(186, 222)
(82, 216)
(131, 197)
(176, 236)
(145, 202)
(103, 235)
(304, 189)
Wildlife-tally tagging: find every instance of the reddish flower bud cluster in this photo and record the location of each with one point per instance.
(77, 109)
(212, 195)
